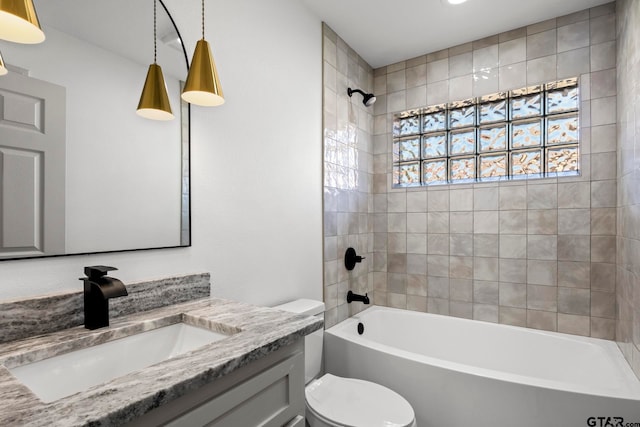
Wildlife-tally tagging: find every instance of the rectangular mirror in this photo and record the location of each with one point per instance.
(80, 171)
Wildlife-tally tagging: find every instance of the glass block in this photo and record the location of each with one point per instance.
(526, 162)
(434, 171)
(406, 174)
(408, 113)
(396, 151)
(562, 100)
(493, 166)
(462, 142)
(463, 169)
(562, 159)
(493, 138)
(462, 117)
(523, 91)
(559, 84)
(493, 112)
(434, 145)
(562, 129)
(434, 122)
(406, 126)
(526, 134)
(526, 106)
(409, 149)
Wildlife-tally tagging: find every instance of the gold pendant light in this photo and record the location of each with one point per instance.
(203, 85)
(19, 22)
(3, 68)
(154, 101)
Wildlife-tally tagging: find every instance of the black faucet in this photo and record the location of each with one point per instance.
(98, 289)
(355, 297)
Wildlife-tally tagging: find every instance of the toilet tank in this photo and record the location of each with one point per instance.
(313, 341)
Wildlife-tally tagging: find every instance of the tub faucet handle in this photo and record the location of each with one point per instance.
(350, 259)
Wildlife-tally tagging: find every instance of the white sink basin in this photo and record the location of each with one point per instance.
(66, 374)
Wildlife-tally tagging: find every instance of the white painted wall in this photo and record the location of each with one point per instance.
(256, 166)
(112, 178)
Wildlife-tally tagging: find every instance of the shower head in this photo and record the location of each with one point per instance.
(368, 98)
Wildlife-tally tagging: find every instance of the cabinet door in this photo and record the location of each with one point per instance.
(297, 421)
(270, 399)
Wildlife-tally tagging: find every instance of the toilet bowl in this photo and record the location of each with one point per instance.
(337, 402)
(333, 401)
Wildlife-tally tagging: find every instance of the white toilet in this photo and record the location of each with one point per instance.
(344, 402)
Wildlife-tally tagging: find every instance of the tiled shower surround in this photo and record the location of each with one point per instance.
(628, 235)
(537, 253)
(348, 176)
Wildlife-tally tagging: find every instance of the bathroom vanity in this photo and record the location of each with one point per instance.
(252, 374)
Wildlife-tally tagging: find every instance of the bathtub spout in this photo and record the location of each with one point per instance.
(355, 297)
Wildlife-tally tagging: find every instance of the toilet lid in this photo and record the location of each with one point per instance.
(357, 403)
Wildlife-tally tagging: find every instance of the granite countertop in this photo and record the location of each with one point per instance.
(257, 332)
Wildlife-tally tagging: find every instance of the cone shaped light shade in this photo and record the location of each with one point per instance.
(154, 102)
(3, 68)
(203, 86)
(19, 22)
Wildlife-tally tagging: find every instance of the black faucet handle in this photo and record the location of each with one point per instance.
(97, 271)
(351, 258)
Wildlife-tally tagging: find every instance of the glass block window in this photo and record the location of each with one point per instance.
(531, 132)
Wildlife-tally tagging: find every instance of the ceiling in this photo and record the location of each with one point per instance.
(124, 27)
(387, 31)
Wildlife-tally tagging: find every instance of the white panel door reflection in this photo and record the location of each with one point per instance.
(32, 167)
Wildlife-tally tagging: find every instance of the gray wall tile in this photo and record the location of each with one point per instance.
(541, 44)
(574, 274)
(542, 272)
(461, 309)
(542, 298)
(574, 301)
(461, 290)
(513, 222)
(572, 324)
(513, 270)
(513, 246)
(513, 295)
(533, 253)
(573, 62)
(542, 247)
(573, 36)
(513, 316)
(512, 51)
(461, 65)
(544, 320)
(461, 267)
(512, 76)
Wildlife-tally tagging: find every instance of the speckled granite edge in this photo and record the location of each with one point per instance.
(20, 319)
(259, 331)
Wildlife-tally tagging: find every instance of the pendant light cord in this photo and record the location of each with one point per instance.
(155, 42)
(202, 19)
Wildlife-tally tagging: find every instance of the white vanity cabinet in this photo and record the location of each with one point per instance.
(267, 392)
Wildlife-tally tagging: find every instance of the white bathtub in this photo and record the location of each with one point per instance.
(459, 372)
